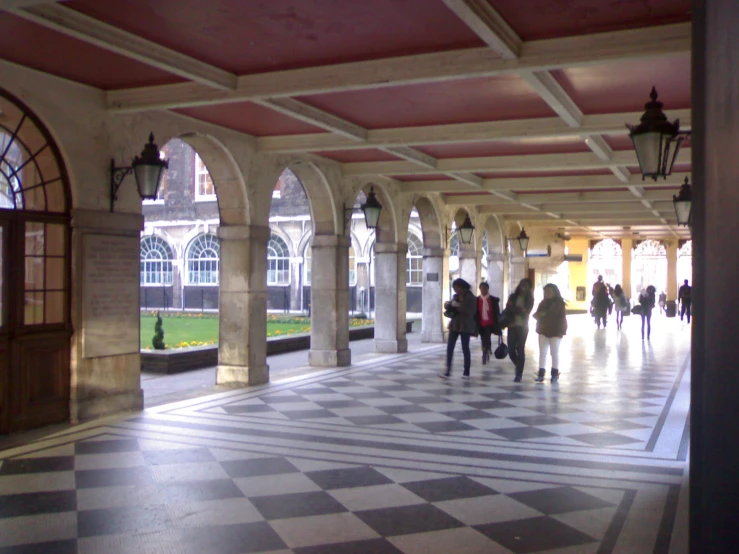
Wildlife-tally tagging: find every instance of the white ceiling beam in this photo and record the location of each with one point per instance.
(488, 24)
(540, 55)
(661, 200)
(438, 186)
(80, 26)
(549, 127)
(608, 219)
(466, 178)
(546, 86)
(534, 162)
(412, 155)
(314, 116)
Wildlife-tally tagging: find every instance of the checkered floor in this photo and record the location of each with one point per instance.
(383, 457)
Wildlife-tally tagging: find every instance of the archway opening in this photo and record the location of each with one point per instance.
(649, 267)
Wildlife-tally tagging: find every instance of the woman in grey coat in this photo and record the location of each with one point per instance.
(463, 324)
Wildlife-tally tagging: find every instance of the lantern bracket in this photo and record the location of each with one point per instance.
(117, 175)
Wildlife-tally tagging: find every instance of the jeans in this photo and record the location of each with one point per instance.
(516, 343)
(619, 318)
(547, 344)
(648, 317)
(685, 310)
(451, 343)
(486, 334)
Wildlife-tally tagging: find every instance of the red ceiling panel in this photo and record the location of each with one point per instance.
(625, 86)
(434, 177)
(620, 142)
(361, 155)
(250, 118)
(560, 191)
(256, 36)
(40, 48)
(677, 168)
(569, 173)
(559, 145)
(558, 18)
(459, 101)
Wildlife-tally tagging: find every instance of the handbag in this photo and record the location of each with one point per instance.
(637, 310)
(501, 352)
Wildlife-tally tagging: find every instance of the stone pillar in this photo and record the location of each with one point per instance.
(627, 245)
(671, 291)
(518, 266)
(296, 284)
(390, 300)
(329, 293)
(433, 294)
(105, 359)
(496, 274)
(468, 264)
(242, 336)
(714, 412)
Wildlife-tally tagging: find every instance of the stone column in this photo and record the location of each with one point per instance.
(433, 294)
(518, 266)
(627, 246)
(671, 291)
(329, 293)
(242, 336)
(296, 284)
(496, 276)
(714, 412)
(390, 300)
(468, 264)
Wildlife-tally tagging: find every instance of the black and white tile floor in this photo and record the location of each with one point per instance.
(381, 458)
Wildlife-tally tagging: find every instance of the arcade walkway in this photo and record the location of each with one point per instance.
(382, 457)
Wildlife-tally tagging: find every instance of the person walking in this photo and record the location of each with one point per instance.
(463, 309)
(647, 301)
(551, 325)
(684, 297)
(600, 302)
(620, 304)
(488, 317)
(518, 308)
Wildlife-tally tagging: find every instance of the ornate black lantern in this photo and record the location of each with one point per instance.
(523, 240)
(466, 230)
(148, 170)
(371, 209)
(683, 203)
(656, 140)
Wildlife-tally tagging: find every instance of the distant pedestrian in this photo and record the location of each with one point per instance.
(621, 304)
(600, 302)
(488, 317)
(551, 324)
(646, 305)
(684, 297)
(463, 309)
(518, 308)
(662, 303)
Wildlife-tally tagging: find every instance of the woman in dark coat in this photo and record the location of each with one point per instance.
(647, 301)
(517, 311)
(551, 324)
(463, 324)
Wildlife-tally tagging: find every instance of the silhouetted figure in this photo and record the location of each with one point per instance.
(621, 304)
(517, 310)
(463, 324)
(646, 303)
(684, 297)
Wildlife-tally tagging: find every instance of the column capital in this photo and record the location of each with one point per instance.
(496, 257)
(434, 252)
(330, 241)
(390, 248)
(244, 232)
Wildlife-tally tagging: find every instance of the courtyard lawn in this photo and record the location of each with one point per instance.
(199, 329)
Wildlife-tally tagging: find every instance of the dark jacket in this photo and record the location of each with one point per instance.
(647, 302)
(465, 320)
(517, 315)
(551, 318)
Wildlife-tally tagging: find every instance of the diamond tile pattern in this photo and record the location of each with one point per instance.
(381, 459)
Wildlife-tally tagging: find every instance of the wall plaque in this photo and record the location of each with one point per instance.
(432, 277)
(110, 292)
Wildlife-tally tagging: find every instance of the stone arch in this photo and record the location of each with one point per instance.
(276, 230)
(431, 227)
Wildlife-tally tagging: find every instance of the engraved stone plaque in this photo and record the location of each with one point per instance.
(432, 277)
(110, 292)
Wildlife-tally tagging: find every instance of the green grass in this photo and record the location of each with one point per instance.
(203, 329)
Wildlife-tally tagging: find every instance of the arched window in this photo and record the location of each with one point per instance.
(156, 262)
(685, 263)
(606, 259)
(278, 262)
(649, 266)
(485, 250)
(203, 261)
(352, 267)
(307, 257)
(414, 257)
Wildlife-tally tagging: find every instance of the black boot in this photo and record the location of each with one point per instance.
(555, 375)
(540, 377)
(518, 377)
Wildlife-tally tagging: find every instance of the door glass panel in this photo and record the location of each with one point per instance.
(54, 307)
(34, 273)
(34, 308)
(54, 273)
(54, 240)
